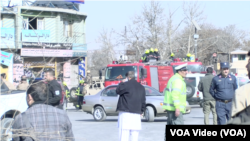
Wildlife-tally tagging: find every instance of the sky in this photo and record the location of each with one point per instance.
(117, 14)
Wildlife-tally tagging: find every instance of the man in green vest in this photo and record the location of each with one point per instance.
(175, 96)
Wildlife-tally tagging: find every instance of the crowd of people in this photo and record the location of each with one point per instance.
(221, 96)
(151, 54)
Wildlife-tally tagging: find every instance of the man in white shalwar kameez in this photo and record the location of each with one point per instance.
(131, 105)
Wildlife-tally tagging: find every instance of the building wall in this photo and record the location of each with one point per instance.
(240, 65)
(8, 21)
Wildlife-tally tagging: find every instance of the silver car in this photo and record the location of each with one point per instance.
(104, 103)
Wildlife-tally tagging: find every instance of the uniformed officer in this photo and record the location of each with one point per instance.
(152, 54)
(222, 88)
(54, 88)
(157, 55)
(175, 96)
(145, 56)
(172, 56)
(82, 91)
(66, 89)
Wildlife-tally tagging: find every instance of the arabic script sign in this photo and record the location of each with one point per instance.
(46, 52)
(7, 38)
(66, 72)
(47, 45)
(6, 58)
(36, 35)
(17, 73)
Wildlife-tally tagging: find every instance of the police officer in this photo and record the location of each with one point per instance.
(54, 88)
(157, 55)
(66, 89)
(172, 56)
(81, 92)
(175, 96)
(24, 84)
(222, 88)
(145, 56)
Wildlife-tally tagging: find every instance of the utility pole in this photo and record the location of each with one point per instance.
(196, 36)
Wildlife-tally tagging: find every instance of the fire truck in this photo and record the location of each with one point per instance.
(157, 75)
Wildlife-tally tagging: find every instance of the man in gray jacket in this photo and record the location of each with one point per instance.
(209, 101)
(41, 121)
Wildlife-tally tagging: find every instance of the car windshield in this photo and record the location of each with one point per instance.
(118, 73)
(152, 92)
(194, 68)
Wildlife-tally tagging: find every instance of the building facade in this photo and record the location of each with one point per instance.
(42, 36)
(239, 60)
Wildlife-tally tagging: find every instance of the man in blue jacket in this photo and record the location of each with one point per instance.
(222, 88)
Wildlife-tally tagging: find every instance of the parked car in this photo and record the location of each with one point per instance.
(104, 103)
(242, 80)
(63, 101)
(12, 103)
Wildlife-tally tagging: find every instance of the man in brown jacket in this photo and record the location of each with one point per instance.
(23, 85)
(241, 102)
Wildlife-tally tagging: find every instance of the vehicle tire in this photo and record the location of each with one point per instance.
(190, 90)
(99, 114)
(6, 135)
(149, 114)
(73, 96)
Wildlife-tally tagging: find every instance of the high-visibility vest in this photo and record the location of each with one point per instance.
(175, 94)
(78, 92)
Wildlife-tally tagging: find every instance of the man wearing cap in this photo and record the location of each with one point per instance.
(175, 96)
(223, 88)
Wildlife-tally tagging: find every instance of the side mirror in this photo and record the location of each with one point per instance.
(144, 72)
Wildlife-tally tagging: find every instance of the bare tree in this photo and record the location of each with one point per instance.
(192, 11)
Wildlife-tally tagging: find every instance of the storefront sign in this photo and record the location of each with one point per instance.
(47, 45)
(82, 47)
(36, 35)
(46, 52)
(81, 66)
(7, 38)
(17, 73)
(79, 53)
(6, 58)
(66, 72)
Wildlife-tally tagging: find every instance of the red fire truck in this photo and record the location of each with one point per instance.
(154, 75)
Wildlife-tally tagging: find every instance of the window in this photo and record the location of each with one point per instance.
(111, 91)
(33, 23)
(241, 57)
(118, 73)
(1, 22)
(40, 23)
(140, 72)
(67, 29)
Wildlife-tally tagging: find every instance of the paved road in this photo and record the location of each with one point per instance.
(85, 128)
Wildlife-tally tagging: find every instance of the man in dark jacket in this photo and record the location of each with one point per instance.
(54, 89)
(223, 88)
(40, 121)
(157, 55)
(131, 105)
(209, 101)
